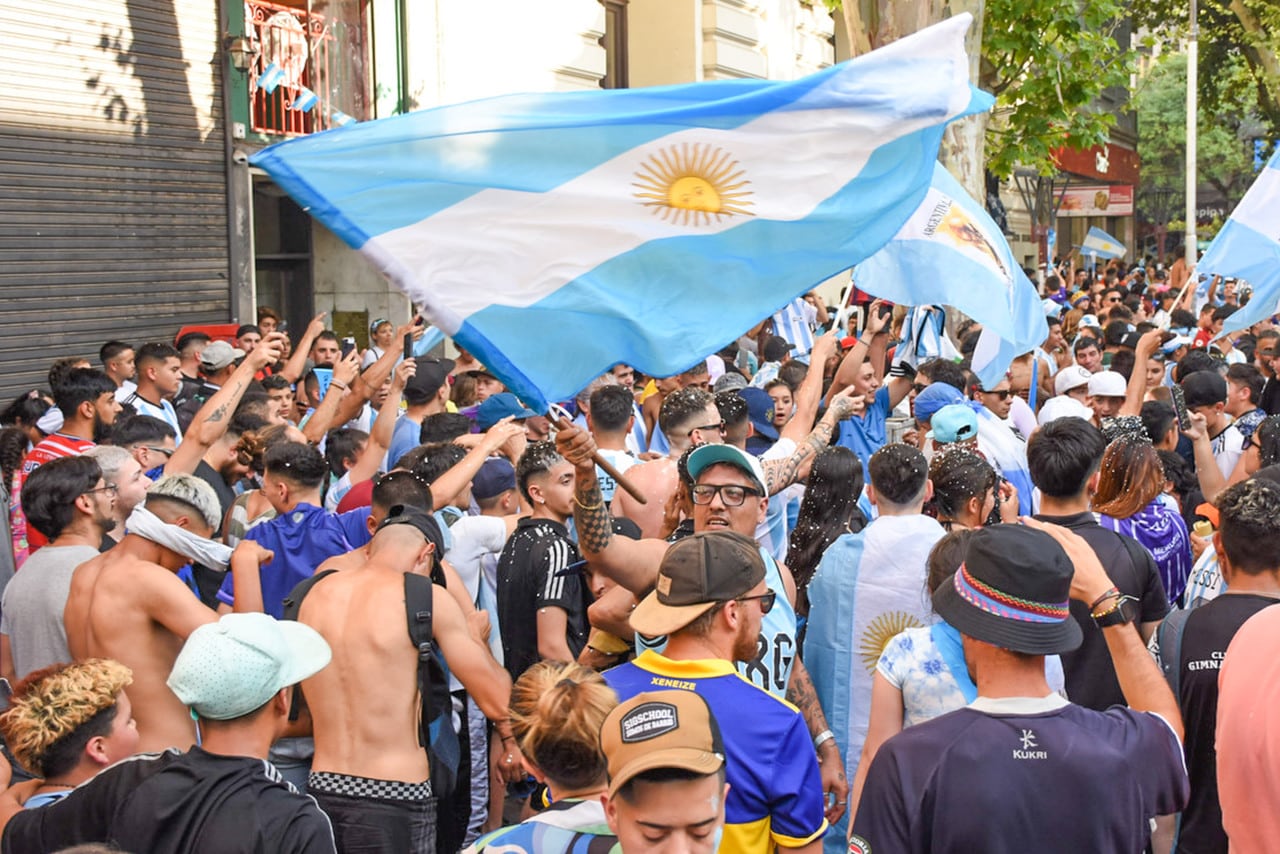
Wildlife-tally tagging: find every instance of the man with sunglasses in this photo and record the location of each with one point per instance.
(710, 600)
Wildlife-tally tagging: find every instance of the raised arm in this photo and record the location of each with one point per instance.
(1136, 390)
(631, 563)
(344, 373)
(456, 478)
(211, 422)
(292, 371)
(779, 474)
(369, 461)
(809, 395)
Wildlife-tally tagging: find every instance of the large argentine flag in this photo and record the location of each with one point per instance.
(951, 251)
(1102, 245)
(555, 235)
(1248, 247)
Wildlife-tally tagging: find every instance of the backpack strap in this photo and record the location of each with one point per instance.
(293, 604)
(417, 605)
(1169, 640)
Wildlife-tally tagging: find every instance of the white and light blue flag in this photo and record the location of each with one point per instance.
(554, 235)
(951, 252)
(1102, 245)
(1248, 247)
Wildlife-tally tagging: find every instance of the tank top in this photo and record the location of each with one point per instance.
(770, 669)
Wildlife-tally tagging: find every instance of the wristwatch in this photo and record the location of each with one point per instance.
(1125, 611)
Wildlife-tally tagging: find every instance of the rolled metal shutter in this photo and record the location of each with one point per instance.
(113, 216)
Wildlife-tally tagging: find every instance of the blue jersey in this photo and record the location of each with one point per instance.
(302, 539)
(866, 434)
(775, 790)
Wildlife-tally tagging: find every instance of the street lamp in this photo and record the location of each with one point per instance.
(1042, 195)
(242, 50)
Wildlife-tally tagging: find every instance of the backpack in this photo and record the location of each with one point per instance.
(436, 734)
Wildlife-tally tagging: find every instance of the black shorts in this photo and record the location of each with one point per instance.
(376, 816)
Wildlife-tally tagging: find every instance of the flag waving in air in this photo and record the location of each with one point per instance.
(1248, 247)
(554, 235)
(1101, 245)
(951, 252)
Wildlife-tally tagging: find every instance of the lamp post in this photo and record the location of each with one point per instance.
(1193, 53)
(1042, 195)
(242, 51)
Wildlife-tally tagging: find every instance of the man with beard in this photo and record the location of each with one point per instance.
(710, 601)
(128, 604)
(87, 400)
(70, 503)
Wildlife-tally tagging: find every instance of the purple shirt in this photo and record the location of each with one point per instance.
(1163, 533)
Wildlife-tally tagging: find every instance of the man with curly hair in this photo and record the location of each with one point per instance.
(67, 722)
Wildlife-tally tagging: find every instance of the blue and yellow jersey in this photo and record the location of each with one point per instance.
(775, 792)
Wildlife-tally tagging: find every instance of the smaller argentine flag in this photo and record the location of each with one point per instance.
(554, 235)
(271, 77)
(952, 252)
(305, 100)
(1248, 247)
(1102, 245)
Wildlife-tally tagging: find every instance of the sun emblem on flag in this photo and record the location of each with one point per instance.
(878, 634)
(690, 183)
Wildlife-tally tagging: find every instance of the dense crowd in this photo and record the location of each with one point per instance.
(824, 590)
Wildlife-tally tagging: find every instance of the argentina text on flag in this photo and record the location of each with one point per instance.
(1248, 247)
(553, 235)
(951, 252)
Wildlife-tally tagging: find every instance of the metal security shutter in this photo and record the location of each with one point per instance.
(113, 218)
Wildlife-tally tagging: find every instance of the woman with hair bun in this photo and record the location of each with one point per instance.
(557, 710)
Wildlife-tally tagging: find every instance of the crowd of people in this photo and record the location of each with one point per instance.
(833, 593)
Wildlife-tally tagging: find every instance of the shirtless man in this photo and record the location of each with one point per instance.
(128, 604)
(369, 773)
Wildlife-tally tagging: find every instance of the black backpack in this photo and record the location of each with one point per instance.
(435, 717)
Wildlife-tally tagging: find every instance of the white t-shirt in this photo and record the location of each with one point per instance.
(1228, 447)
(477, 543)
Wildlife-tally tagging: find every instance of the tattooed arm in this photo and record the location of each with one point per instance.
(779, 474)
(631, 563)
(211, 422)
(801, 694)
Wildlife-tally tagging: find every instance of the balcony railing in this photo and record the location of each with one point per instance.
(310, 74)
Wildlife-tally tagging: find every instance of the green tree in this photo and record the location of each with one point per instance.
(1239, 51)
(1046, 61)
(1224, 160)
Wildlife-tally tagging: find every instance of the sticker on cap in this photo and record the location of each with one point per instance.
(649, 720)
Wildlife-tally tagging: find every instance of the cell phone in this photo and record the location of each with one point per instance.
(1180, 407)
(282, 326)
(408, 346)
(348, 346)
(886, 312)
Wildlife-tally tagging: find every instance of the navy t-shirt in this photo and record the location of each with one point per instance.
(1021, 775)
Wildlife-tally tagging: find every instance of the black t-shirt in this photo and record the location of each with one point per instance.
(1090, 675)
(1208, 631)
(179, 803)
(531, 575)
(226, 495)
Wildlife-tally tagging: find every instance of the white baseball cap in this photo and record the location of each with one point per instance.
(1062, 407)
(230, 668)
(1072, 376)
(1108, 384)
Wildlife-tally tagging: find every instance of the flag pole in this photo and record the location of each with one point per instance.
(1193, 57)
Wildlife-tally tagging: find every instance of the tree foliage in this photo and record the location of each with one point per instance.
(1224, 160)
(1239, 51)
(1046, 61)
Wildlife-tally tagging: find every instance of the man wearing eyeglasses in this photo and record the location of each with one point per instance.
(68, 501)
(710, 599)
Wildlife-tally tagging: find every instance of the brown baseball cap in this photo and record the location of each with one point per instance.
(661, 729)
(696, 574)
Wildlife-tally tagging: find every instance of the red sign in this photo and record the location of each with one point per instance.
(1097, 200)
(1110, 163)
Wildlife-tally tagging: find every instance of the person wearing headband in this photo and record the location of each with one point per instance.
(129, 605)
